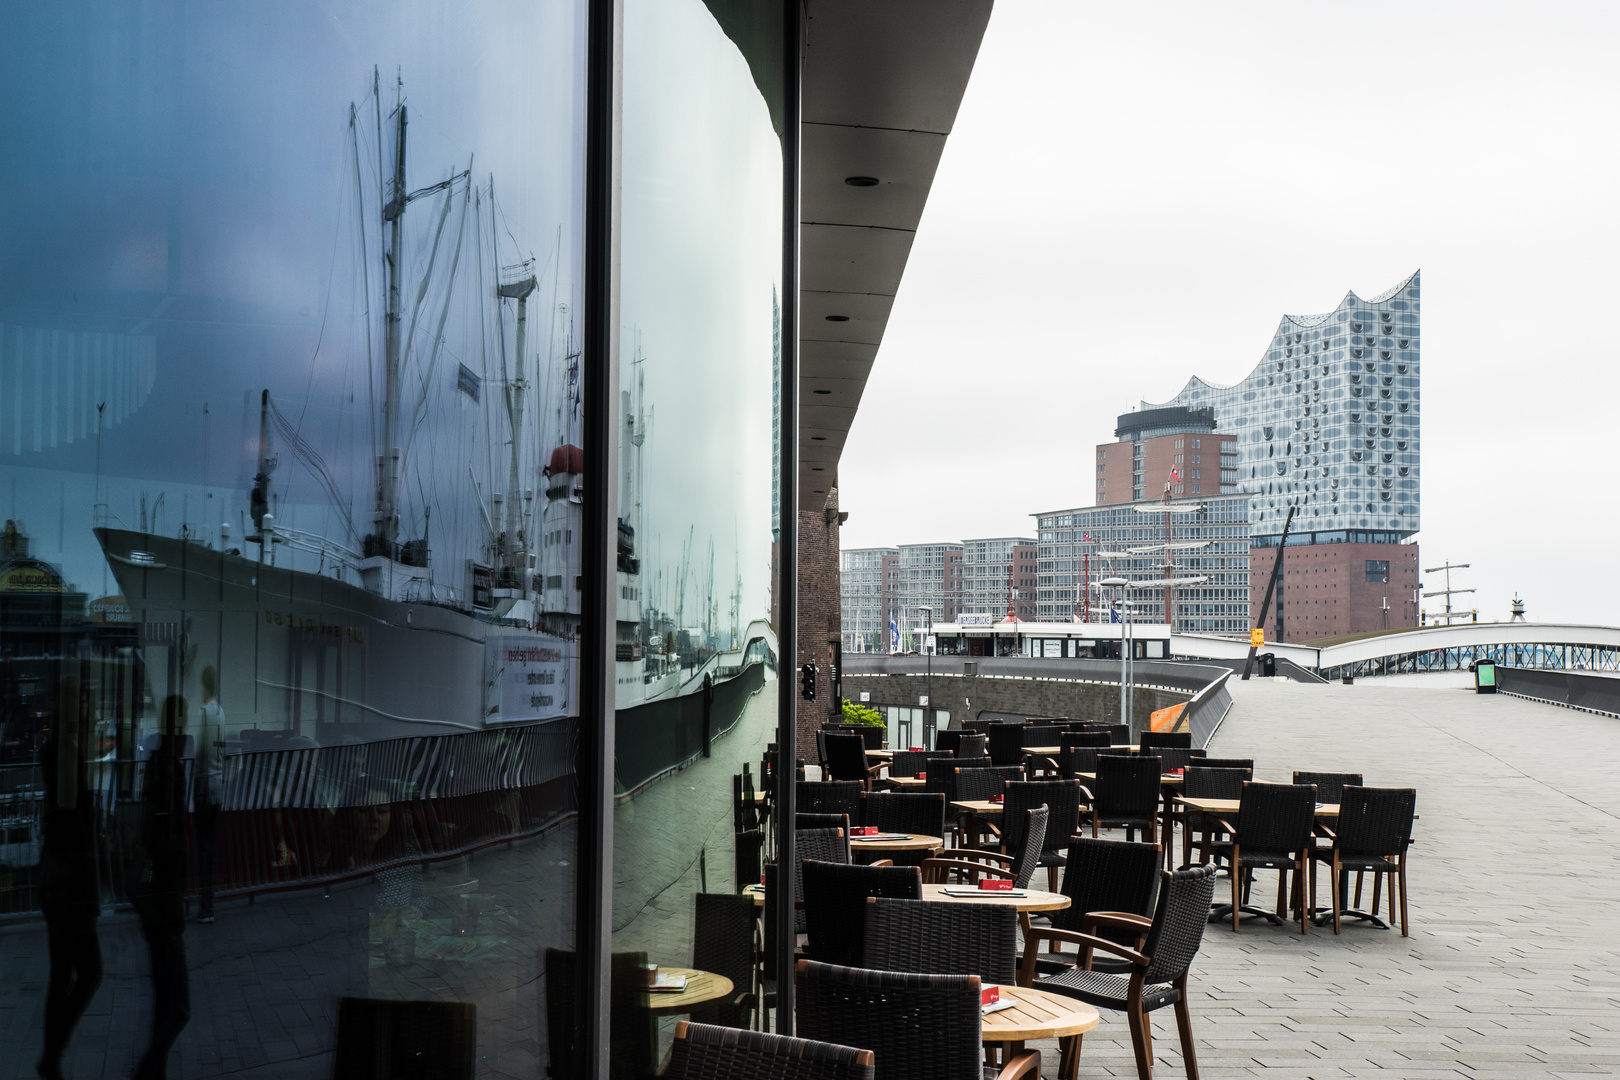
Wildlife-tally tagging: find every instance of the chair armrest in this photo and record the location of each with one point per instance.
(882, 862)
(1087, 943)
(1024, 1063)
(937, 871)
(1115, 920)
(1086, 796)
(981, 853)
(1325, 832)
(1226, 826)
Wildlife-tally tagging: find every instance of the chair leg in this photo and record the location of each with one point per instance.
(1378, 885)
(1340, 881)
(1402, 876)
(1138, 1019)
(1304, 890)
(1391, 898)
(1237, 889)
(1189, 1055)
(1282, 893)
(1051, 879)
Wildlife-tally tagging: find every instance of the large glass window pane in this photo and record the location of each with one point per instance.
(701, 296)
(287, 344)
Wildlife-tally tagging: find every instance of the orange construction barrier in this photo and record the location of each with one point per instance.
(1168, 719)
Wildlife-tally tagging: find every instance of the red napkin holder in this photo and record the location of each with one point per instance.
(989, 995)
(922, 776)
(864, 830)
(998, 798)
(996, 884)
(917, 749)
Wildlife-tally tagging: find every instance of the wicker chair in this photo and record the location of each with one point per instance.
(1042, 734)
(973, 784)
(1086, 737)
(748, 850)
(1006, 744)
(1329, 785)
(941, 780)
(1076, 758)
(1119, 733)
(803, 821)
(971, 864)
(920, 1027)
(1152, 740)
(1106, 875)
(1227, 763)
(1205, 783)
(846, 759)
(723, 942)
(1125, 795)
(1158, 969)
(912, 762)
(1172, 758)
(705, 1052)
(943, 939)
(824, 845)
(1372, 834)
(1062, 801)
(1274, 830)
(974, 744)
(828, 797)
(835, 904)
(917, 812)
(948, 740)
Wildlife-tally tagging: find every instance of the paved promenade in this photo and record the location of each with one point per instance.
(1513, 966)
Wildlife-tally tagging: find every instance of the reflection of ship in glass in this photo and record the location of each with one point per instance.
(387, 634)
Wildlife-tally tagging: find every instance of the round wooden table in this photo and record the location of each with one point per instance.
(701, 986)
(1041, 1015)
(907, 781)
(1032, 900)
(757, 891)
(912, 842)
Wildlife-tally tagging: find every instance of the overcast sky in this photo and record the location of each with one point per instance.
(1135, 193)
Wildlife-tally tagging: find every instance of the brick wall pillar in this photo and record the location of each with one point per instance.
(820, 614)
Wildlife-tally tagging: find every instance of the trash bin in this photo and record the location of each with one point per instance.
(1348, 679)
(1268, 665)
(1484, 676)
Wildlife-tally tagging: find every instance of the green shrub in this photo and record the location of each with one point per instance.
(860, 714)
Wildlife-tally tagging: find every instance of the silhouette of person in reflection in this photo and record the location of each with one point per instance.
(208, 792)
(157, 889)
(69, 892)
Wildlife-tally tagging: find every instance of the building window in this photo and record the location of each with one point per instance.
(1378, 570)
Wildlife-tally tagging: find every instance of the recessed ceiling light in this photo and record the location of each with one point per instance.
(861, 181)
(821, 391)
(818, 438)
(819, 491)
(838, 318)
(817, 468)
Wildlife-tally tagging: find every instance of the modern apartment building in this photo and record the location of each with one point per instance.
(866, 579)
(1176, 446)
(927, 575)
(1329, 423)
(991, 572)
(1069, 542)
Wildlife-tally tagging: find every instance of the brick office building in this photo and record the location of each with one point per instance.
(1150, 444)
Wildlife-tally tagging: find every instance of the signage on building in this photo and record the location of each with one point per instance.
(109, 609)
(527, 678)
(975, 620)
(1257, 637)
(30, 577)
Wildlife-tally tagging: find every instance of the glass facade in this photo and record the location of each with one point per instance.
(1331, 419)
(295, 472)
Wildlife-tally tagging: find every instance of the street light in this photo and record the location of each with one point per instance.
(1118, 584)
(928, 648)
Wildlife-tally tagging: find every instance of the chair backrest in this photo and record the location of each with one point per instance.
(1172, 758)
(723, 942)
(828, 797)
(708, 1052)
(974, 744)
(905, 811)
(943, 939)
(916, 1025)
(821, 821)
(1376, 821)
(1108, 875)
(1119, 733)
(828, 845)
(1006, 744)
(1329, 785)
(1178, 922)
(1202, 783)
(984, 783)
(846, 756)
(1127, 787)
(948, 740)
(747, 848)
(871, 734)
(1227, 763)
(1042, 734)
(1091, 737)
(1062, 801)
(1151, 739)
(1276, 817)
(835, 904)
(913, 762)
(942, 777)
(1028, 853)
(1079, 759)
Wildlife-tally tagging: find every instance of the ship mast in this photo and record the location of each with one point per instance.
(387, 520)
(519, 291)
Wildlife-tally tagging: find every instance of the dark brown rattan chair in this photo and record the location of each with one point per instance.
(1152, 740)
(1061, 798)
(1172, 758)
(706, 1052)
(803, 821)
(723, 943)
(971, 864)
(748, 850)
(948, 740)
(1125, 795)
(1106, 875)
(973, 784)
(912, 762)
(974, 744)
(1006, 744)
(1274, 830)
(1158, 969)
(1329, 785)
(835, 904)
(920, 1027)
(824, 845)
(1372, 835)
(1119, 733)
(846, 759)
(828, 797)
(1205, 783)
(943, 939)
(941, 779)
(1227, 763)
(916, 812)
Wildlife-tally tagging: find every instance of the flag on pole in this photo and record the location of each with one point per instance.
(1088, 538)
(894, 635)
(1174, 475)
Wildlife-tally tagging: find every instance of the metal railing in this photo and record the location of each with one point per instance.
(1573, 689)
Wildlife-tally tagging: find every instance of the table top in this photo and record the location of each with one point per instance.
(1230, 806)
(977, 806)
(757, 891)
(913, 842)
(1039, 1014)
(1032, 900)
(881, 755)
(1167, 778)
(1055, 750)
(907, 781)
(701, 986)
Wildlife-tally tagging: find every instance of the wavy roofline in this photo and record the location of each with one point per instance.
(1297, 320)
